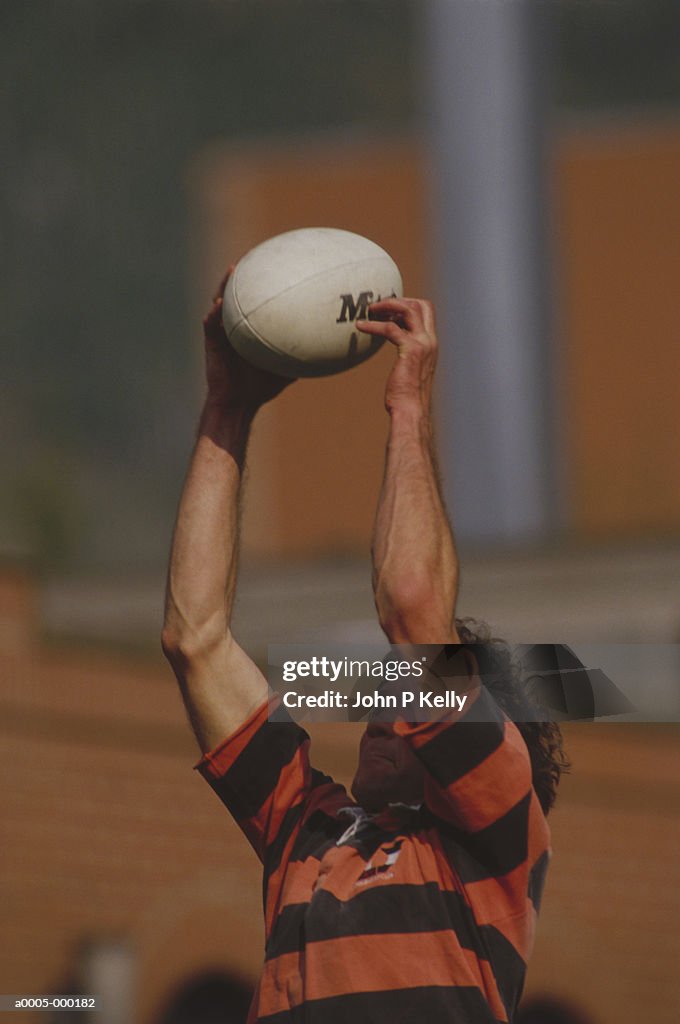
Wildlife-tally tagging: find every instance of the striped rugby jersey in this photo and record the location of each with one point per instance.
(414, 914)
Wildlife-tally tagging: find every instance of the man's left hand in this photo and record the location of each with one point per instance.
(409, 325)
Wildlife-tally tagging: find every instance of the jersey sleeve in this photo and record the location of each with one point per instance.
(478, 787)
(262, 774)
(477, 764)
(489, 826)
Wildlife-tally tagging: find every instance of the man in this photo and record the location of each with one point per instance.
(417, 901)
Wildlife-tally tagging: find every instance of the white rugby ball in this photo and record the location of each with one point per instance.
(290, 303)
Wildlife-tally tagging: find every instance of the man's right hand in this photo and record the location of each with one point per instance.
(232, 382)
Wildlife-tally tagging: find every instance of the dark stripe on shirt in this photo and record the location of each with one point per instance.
(320, 778)
(316, 835)
(274, 852)
(508, 966)
(455, 752)
(253, 776)
(492, 851)
(454, 1005)
(395, 910)
(537, 880)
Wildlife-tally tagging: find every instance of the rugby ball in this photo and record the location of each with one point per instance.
(291, 303)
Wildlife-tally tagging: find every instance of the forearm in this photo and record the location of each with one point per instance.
(203, 562)
(415, 568)
(220, 685)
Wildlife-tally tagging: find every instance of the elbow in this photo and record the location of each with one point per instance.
(171, 644)
(177, 648)
(184, 647)
(414, 612)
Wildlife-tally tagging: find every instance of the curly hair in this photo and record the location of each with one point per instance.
(502, 676)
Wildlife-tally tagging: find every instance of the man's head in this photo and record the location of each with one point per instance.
(388, 771)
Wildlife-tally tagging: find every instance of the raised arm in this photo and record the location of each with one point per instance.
(415, 568)
(220, 685)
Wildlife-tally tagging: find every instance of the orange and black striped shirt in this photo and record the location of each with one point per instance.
(414, 914)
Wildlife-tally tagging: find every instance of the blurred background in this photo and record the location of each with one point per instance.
(520, 161)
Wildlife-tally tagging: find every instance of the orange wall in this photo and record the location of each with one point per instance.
(107, 832)
(618, 205)
(316, 459)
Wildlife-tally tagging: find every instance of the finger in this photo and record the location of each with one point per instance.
(212, 325)
(387, 329)
(422, 308)
(390, 305)
(214, 314)
(223, 283)
(212, 321)
(426, 312)
(407, 310)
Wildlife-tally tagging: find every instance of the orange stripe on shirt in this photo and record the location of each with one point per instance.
(374, 963)
(476, 800)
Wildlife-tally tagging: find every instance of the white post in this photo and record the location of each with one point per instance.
(107, 969)
(487, 115)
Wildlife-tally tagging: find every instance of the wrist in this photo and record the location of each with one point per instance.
(228, 407)
(226, 422)
(409, 417)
